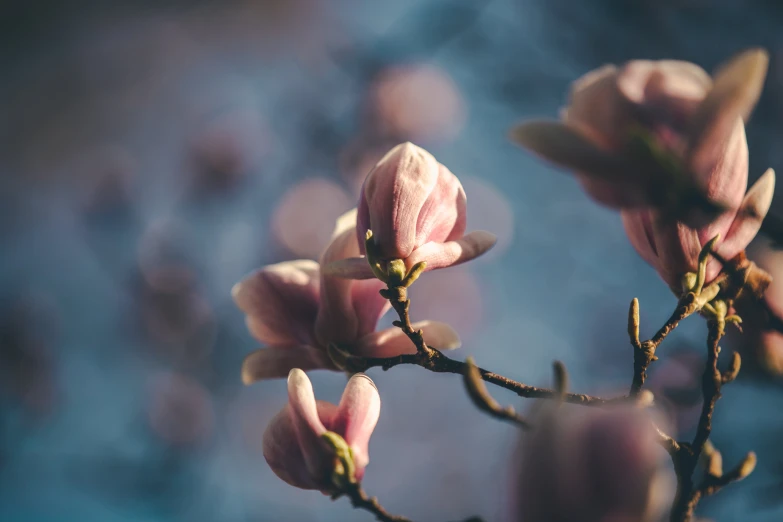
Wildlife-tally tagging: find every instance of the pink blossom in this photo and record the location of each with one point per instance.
(672, 248)
(416, 209)
(293, 444)
(297, 311)
(591, 466)
(417, 101)
(695, 153)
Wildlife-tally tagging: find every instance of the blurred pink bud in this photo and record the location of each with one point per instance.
(672, 248)
(416, 209)
(418, 102)
(591, 466)
(692, 150)
(180, 410)
(297, 312)
(305, 215)
(293, 444)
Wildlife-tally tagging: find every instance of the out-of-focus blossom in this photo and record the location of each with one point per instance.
(657, 134)
(293, 442)
(180, 410)
(225, 150)
(416, 209)
(175, 315)
(305, 216)
(675, 382)
(297, 312)
(170, 303)
(673, 248)
(591, 466)
(417, 102)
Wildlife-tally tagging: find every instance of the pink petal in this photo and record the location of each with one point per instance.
(307, 424)
(351, 268)
(349, 309)
(356, 417)
(283, 452)
(609, 178)
(443, 215)
(368, 305)
(725, 181)
(451, 253)
(595, 106)
(672, 88)
(678, 249)
(620, 457)
(336, 321)
(277, 362)
(638, 228)
(393, 341)
(736, 90)
(395, 192)
(346, 221)
(281, 301)
(750, 215)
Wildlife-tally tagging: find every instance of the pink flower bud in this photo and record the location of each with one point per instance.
(297, 311)
(695, 153)
(293, 445)
(416, 209)
(590, 466)
(672, 248)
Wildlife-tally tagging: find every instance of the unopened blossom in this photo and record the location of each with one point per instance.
(672, 248)
(417, 211)
(590, 466)
(657, 133)
(297, 311)
(293, 442)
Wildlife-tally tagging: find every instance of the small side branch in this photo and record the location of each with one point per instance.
(478, 393)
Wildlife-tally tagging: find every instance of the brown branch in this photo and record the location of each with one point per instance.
(361, 500)
(435, 361)
(478, 393)
(686, 461)
(644, 351)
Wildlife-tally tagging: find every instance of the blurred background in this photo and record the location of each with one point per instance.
(153, 153)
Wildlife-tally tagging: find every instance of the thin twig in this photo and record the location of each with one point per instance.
(478, 393)
(644, 352)
(435, 361)
(361, 500)
(686, 461)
